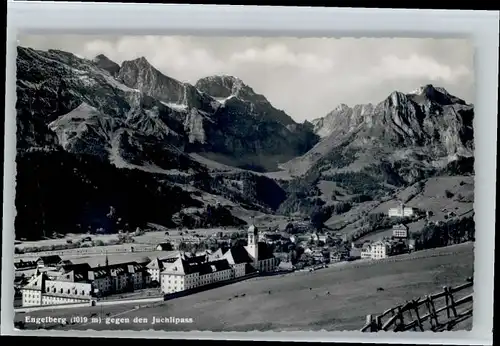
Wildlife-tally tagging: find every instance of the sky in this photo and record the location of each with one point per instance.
(305, 77)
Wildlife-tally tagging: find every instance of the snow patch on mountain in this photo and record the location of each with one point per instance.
(222, 100)
(176, 106)
(116, 84)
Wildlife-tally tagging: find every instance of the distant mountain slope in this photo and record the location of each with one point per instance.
(243, 130)
(429, 126)
(224, 88)
(369, 152)
(94, 118)
(93, 134)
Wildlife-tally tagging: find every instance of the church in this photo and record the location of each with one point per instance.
(255, 256)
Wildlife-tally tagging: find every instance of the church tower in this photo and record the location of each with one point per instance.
(253, 242)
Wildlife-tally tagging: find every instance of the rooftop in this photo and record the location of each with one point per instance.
(184, 267)
(50, 259)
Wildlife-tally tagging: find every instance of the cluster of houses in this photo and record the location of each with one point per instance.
(396, 244)
(401, 211)
(186, 272)
(56, 281)
(386, 247)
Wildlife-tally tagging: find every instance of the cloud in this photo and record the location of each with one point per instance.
(306, 77)
(171, 55)
(280, 55)
(418, 67)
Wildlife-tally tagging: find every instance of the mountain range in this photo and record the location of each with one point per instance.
(93, 134)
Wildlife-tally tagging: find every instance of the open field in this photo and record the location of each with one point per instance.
(120, 258)
(440, 195)
(148, 238)
(460, 190)
(299, 301)
(100, 258)
(89, 250)
(62, 241)
(379, 234)
(144, 246)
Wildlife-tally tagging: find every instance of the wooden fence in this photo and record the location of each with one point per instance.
(436, 312)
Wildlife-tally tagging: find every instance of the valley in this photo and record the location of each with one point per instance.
(162, 151)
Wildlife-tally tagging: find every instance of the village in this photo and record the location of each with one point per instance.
(192, 263)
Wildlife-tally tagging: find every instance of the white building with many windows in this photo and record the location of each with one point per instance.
(376, 250)
(77, 283)
(187, 272)
(366, 251)
(156, 266)
(400, 231)
(40, 290)
(184, 274)
(401, 211)
(380, 250)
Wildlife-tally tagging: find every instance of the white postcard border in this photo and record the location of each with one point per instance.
(43, 17)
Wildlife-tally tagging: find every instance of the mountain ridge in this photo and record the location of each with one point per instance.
(152, 104)
(430, 119)
(132, 121)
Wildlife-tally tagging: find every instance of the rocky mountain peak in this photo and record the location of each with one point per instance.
(221, 86)
(139, 74)
(396, 98)
(232, 90)
(106, 64)
(142, 61)
(100, 57)
(140, 64)
(431, 94)
(342, 108)
(341, 120)
(424, 90)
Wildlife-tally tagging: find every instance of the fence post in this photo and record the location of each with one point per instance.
(409, 311)
(429, 309)
(452, 300)
(417, 313)
(447, 299)
(375, 324)
(370, 322)
(401, 320)
(434, 312)
(378, 322)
